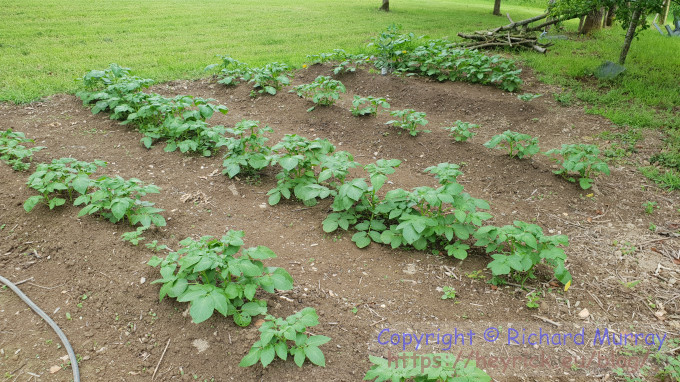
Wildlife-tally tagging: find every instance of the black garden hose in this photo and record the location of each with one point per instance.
(62, 336)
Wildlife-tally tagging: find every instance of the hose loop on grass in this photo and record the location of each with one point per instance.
(60, 333)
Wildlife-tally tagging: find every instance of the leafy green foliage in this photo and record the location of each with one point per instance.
(412, 368)
(180, 121)
(322, 91)
(298, 156)
(533, 300)
(268, 79)
(650, 206)
(232, 70)
(579, 158)
(184, 125)
(13, 152)
(420, 218)
(212, 275)
(57, 181)
(367, 105)
(518, 145)
(442, 60)
(461, 131)
(134, 237)
(409, 120)
(391, 46)
(449, 293)
(281, 337)
(346, 63)
(117, 199)
(522, 246)
(335, 168)
(526, 97)
(248, 151)
(669, 361)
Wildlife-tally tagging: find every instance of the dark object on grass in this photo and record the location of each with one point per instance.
(608, 70)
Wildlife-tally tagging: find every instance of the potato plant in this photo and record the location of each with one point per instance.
(356, 204)
(118, 199)
(421, 218)
(322, 91)
(579, 158)
(461, 131)
(409, 120)
(13, 152)
(60, 180)
(517, 144)
(232, 70)
(367, 105)
(268, 79)
(522, 247)
(180, 121)
(391, 47)
(248, 151)
(113, 87)
(345, 62)
(298, 156)
(334, 169)
(281, 337)
(212, 275)
(442, 60)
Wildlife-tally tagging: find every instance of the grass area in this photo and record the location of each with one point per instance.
(646, 95)
(46, 44)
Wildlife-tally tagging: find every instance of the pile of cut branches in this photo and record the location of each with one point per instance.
(518, 34)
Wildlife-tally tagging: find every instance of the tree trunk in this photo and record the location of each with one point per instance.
(664, 13)
(385, 6)
(593, 21)
(497, 7)
(610, 16)
(580, 24)
(635, 18)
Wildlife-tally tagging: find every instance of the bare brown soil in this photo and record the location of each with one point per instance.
(121, 329)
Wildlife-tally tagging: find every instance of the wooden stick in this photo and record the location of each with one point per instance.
(161, 359)
(547, 320)
(520, 23)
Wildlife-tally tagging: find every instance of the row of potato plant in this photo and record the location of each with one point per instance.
(444, 219)
(180, 121)
(393, 51)
(114, 198)
(439, 59)
(208, 273)
(269, 78)
(325, 91)
(582, 159)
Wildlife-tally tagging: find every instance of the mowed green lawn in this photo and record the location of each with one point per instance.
(46, 44)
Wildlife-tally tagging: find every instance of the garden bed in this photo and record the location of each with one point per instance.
(120, 329)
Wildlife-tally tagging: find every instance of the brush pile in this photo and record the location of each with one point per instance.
(518, 34)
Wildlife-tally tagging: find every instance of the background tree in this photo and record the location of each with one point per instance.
(386, 6)
(631, 16)
(497, 7)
